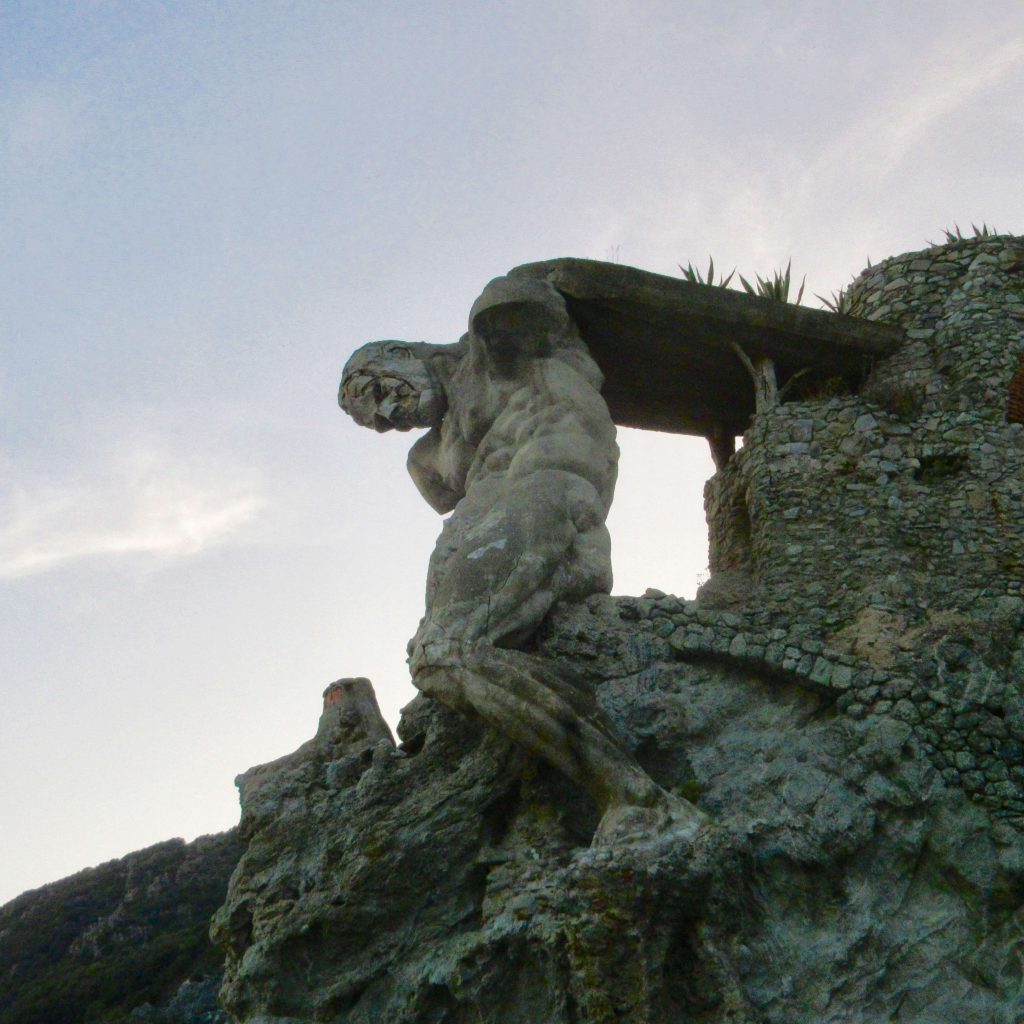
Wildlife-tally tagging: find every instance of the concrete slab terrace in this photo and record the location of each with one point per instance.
(663, 344)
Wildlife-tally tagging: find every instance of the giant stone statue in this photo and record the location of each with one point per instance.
(520, 448)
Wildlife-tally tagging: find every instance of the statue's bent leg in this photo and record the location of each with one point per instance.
(525, 699)
(534, 706)
(510, 563)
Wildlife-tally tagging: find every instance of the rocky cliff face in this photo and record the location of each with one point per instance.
(450, 879)
(122, 941)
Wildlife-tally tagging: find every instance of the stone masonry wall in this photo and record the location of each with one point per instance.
(886, 528)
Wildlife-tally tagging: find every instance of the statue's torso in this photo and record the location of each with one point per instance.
(547, 418)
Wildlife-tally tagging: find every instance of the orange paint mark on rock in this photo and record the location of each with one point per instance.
(334, 694)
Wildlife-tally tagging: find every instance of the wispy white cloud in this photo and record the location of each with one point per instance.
(915, 107)
(149, 502)
(830, 201)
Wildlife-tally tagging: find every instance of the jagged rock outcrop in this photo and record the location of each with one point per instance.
(123, 941)
(452, 879)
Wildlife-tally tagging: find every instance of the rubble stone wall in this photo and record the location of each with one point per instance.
(887, 527)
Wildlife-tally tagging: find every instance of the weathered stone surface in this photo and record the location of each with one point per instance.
(360, 868)
(453, 880)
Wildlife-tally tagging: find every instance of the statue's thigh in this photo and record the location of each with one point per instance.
(505, 547)
(537, 516)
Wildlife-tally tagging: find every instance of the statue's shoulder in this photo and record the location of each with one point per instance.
(518, 319)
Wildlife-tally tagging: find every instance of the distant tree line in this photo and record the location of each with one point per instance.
(91, 948)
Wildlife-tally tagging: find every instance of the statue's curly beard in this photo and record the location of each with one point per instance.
(386, 402)
(401, 409)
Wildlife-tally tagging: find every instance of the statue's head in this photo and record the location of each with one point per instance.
(389, 385)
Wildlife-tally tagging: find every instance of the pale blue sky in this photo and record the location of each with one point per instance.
(205, 207)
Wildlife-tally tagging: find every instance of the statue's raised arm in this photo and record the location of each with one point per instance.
(521, 448)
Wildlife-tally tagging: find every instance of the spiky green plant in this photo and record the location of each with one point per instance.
(775, 287)
(983, 232)
(693, 275)
(838, 302)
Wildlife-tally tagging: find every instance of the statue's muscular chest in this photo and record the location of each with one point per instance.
(491, 425)
(476, 442)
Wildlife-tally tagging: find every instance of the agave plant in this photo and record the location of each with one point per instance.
(838, 302)
(775, 287)
(983, 232)
(693, 275)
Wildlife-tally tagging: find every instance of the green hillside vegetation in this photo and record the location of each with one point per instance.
(90, 948)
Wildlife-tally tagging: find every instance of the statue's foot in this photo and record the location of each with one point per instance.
(435, 650)
(631, 823)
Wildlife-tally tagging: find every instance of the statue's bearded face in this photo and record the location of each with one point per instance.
(387, 386)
